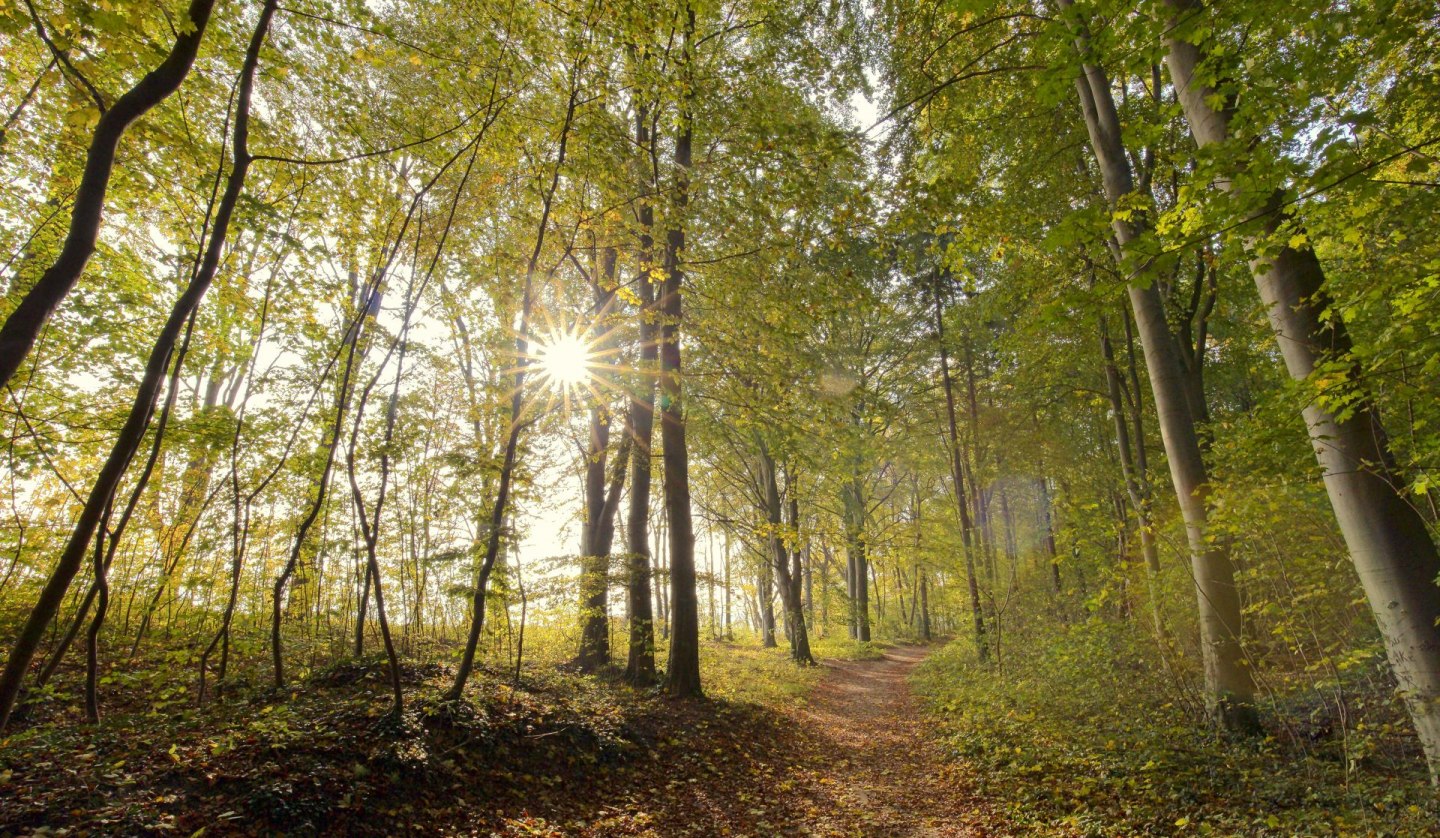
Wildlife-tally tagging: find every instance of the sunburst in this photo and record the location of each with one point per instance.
(565, 360)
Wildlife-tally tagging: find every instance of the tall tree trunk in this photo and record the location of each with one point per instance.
(1229, 684)
(1133, 489)
(500, 507)
(640, 664)
(854, 510)
(682, 676)
(1047, 530)
(23, 326)
(1388, 542)
(957, 479)
(924, 607)
(786, 576)
(765, 594)
(133, 431)
(729, 633)
(809, 588)
(599, 528)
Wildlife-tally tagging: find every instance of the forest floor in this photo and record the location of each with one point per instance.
(855, 758)
(851, 755)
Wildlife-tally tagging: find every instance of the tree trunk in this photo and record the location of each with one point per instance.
(1133, 489)
(517, 407)
(765, 593)
(786, 576)
(957, 479)
(640, 664)
(1047, 521)
(598, 533)
(682, 676)
(23, 326)
(854, 508)
(1388, 542)
(1229, 684)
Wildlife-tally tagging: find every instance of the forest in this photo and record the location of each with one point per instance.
(719, 417)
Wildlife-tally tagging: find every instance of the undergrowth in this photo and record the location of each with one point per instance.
(1082, 731)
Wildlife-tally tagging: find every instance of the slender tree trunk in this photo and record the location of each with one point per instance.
(1229, 684)
(682, 676)
(924, 607)
(23, 326)
(640, 663)
(809, 588)
(517, 407)
(765, 593)
(640, 666)
(1388, 542)
(1047, 521)
(133, 431)
(957, 478)
(114, 537)
(729, 633)
(786, 576)
(92, 637)
(1133, 488)
(595, 556)
(854, 507)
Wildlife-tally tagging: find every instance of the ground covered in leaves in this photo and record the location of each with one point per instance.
(843, 749)
(838, 750)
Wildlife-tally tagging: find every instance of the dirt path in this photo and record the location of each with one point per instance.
(884, 776)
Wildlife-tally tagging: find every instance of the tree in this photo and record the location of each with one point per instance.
(1389, 543)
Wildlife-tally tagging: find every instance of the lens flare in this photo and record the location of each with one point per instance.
(565, 360)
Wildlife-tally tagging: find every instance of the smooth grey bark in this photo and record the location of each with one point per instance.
(640, 662)
(786, 576)
(1133, 489)
(1387, 538)
(853, 506)
(765, 595)
(1229, 683)
(602, 500)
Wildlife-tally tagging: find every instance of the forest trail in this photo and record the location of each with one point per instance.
(893, 780)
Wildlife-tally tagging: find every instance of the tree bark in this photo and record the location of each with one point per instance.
(1387, 538)
(598, 533)
(1133, 488)
(640, 666)
(682, 676)
(957, 479)
(786, 577)
(23, 326)
(1229, 684)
